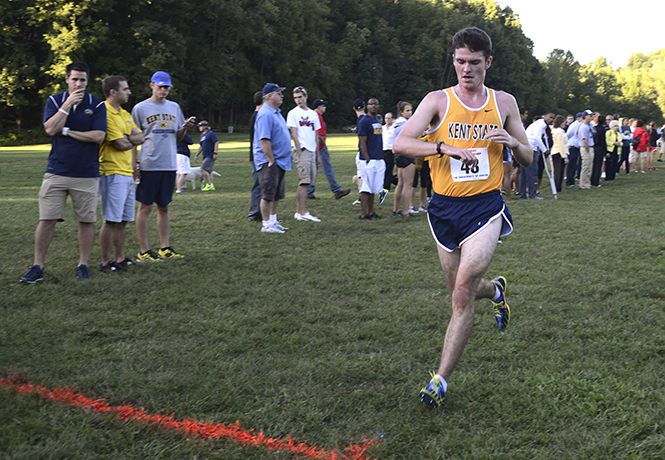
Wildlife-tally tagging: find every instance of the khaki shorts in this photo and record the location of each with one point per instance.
(635, 155)
(306, 162)
(53, 196)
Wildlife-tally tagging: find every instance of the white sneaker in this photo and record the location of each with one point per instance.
(297, 216)
(271, 229)
(280, 226)
(311, 218)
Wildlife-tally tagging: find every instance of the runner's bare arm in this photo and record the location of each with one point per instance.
(430, 111)
(513, 135)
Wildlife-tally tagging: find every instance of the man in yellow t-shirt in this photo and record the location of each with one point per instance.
(118, 169)
(468, 126)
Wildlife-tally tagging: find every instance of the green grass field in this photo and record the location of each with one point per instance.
(327, 333)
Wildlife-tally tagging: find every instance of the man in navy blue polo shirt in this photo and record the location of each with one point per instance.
(208, 145)
(76, 122)
(370, 165)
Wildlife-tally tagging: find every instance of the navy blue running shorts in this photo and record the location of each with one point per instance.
(156, 187)
(453, 220)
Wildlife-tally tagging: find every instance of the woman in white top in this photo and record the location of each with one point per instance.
(559, 150)
(406, 166)
(388, 156)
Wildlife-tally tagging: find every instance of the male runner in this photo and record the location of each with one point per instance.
(468, 126)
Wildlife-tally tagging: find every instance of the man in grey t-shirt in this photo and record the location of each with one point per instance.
(163, 125)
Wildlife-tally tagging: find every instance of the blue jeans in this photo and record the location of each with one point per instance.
(255, 196)
(324, 155)
(573, 165)
(529, 178)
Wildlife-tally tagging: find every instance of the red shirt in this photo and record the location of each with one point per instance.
(644, 140)
(322, 131)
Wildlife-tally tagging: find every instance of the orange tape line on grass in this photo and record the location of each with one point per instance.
(191, 427)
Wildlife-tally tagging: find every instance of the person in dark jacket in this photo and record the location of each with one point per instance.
(599, 148)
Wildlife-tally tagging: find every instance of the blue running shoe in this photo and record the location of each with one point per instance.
(501, 308)
(35, 275)
(382, 195)
(434, 393)
(83, 272)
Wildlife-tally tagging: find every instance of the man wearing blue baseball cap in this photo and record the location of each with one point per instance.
(163, 125)
(272, 155)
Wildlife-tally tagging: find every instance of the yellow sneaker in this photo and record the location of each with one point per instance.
(501, 308)
(148, 256)
(168, 253)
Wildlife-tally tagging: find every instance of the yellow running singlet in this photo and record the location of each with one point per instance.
(466, 128)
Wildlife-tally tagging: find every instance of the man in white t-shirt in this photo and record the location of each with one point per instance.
(529, 174)
(303, 123)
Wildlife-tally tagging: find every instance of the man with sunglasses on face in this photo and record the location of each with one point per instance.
(370, 165)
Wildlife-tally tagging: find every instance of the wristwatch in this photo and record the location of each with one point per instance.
(438, 148)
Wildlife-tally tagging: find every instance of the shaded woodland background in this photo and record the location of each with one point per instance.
(219, 52)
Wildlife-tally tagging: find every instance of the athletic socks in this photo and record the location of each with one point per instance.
(497, 294)
(444, 384)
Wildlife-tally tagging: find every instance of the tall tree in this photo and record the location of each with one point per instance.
(219, 52)
(643, 86)
(563, 77)
(22, 50)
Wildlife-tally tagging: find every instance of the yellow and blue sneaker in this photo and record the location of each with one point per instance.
(433, 394)
(168, 253)
(148, 256)
(382, 195)
(501, 308)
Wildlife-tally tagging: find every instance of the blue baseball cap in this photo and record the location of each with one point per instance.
(579, 115)
(271, 88)
(358, 104)
(319, 102)
(161, 78)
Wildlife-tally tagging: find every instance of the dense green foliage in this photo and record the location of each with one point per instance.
(327, 333)
(637, 90)
(220, 52)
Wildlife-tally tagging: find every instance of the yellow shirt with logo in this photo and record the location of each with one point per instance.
(112, 160)
(466, 127)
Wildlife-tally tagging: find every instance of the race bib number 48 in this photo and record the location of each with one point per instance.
(464, 173)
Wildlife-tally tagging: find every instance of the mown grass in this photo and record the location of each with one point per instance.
(327, 333)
